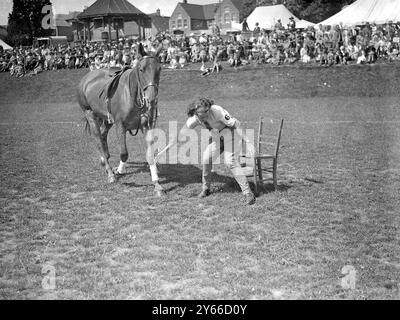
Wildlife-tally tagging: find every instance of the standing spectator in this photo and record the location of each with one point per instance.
(256, 31)
(319, 34)
(245, 26)
(291, 24)
(278, 25)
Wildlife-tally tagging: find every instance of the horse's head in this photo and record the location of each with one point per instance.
(148, 76)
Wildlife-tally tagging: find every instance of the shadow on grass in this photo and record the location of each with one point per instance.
(184, 175)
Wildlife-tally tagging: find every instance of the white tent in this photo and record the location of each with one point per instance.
(267, 16)
(372, 11)
(304, 24)
(5, 45)
(236, 26)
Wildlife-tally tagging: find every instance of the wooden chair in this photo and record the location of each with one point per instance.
(261, 156)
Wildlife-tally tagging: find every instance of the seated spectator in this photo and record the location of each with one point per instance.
(371, 55)
(361, 57)
(235, 61)
(331, 57)
(304, 57)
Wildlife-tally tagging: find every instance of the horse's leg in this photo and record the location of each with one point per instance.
(158, 189)
(95, 129)
(121, 134)
(104, 132)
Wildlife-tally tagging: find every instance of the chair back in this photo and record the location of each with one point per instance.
(265, 138)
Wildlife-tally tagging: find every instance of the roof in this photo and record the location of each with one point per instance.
(61, 20)
(5, 45)
(200, 12)
(160, 22)
(372, 11)
(267, 16)
(110, 8)
(238, 4)
(209, 10)
(72, 16)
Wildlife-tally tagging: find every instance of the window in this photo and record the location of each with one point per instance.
(185, 23)
(234, 17)
(179, 21)
(227, 16)
(173, 26)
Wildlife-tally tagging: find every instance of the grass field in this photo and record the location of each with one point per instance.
(337, 205)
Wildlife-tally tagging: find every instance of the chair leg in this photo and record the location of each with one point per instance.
(274, 174)
(255, 176)
(260, 175)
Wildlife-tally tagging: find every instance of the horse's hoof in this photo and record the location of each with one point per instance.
(161, 193)
(112, 179)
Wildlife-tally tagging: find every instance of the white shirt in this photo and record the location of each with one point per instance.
(218, 118)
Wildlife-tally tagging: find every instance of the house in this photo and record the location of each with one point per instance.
(159, 24)
(63, 25)
(188, 18)
(229, 11)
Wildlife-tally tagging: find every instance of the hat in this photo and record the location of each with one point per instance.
(192, 34)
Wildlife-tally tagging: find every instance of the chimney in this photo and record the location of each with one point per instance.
(158, 12)
(184, 1)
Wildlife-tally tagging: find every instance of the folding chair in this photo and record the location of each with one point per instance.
(260, 156)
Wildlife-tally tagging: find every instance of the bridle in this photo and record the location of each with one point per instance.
(143, 102)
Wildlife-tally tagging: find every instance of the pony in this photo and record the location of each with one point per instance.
(129, 99)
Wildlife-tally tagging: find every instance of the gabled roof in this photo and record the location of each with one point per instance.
(200, 12)
(238, 4)
(110, 8)
(62, 19)
(73, 15)
(160, 22)
(209, 10)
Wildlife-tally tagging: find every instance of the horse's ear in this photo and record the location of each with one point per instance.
(159, 49)
(140, 50)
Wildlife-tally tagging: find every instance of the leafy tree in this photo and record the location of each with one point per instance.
(25, 21)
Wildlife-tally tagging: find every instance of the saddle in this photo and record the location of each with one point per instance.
(109, 89)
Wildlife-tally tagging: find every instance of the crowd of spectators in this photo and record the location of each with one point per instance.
(320, 45)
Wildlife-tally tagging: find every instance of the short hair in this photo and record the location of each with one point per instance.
(199, 103)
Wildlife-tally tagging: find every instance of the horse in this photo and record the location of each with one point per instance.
(127, 98)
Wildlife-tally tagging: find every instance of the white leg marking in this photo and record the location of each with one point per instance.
(122, 167)
(154, 172)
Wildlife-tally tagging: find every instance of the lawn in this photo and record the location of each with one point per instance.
(337, 203)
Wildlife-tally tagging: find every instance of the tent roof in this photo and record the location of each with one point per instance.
(5, 45)
(267, 16)
(372, 11)
(303, 24)
(110, 8)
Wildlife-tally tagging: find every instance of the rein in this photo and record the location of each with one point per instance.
(142, 101)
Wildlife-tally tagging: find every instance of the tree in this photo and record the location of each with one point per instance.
(319, 10)
(25, 21)
(312, 10)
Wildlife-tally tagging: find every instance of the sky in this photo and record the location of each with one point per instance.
(64, 6)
